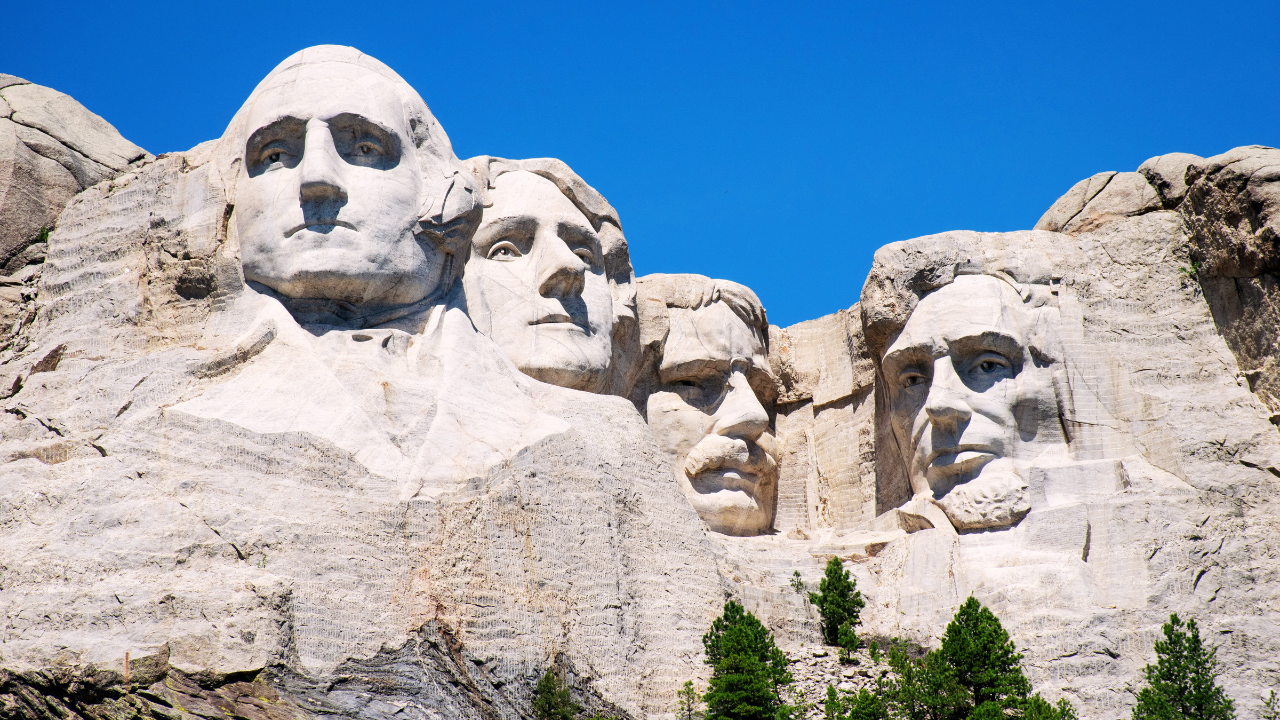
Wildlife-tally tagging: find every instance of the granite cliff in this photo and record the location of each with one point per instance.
(318, 419)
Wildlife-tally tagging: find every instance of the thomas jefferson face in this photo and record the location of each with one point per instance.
(536, 284)
(709, 412)
(967, 400)
(328, 203)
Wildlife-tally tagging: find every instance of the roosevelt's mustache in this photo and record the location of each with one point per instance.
(719, 452)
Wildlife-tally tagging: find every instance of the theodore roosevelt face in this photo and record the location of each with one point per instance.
(709, 411)
(329, 198)
(536, 283)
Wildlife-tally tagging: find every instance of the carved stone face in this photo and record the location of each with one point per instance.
(327, 205)
(709, 412)
(536, 284)
(967, 400)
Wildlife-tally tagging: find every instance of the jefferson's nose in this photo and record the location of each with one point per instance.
(740, 413)
(321, 167)
(563, 274)
(946, 405)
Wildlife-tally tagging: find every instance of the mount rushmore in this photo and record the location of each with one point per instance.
(318, 419)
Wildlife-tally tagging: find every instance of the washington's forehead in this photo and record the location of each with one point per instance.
(324, 90)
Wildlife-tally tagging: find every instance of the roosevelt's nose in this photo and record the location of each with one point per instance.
(740, 413)
(321, 179)
(562, 274)
(946, 405)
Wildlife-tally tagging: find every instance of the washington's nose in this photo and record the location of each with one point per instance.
(946, 405)
(563, 274)
(740, 413)
(321, 167)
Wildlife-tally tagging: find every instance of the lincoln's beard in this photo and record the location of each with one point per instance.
(997, 497)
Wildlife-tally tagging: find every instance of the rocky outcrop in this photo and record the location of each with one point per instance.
(51, 148)
(291, 507)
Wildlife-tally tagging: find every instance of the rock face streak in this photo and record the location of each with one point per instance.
(316, 419)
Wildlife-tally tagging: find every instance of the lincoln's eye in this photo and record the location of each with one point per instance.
(988, 366)
(685, 383)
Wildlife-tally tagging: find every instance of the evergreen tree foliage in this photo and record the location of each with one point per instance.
(687, 702)
(925, 689)
(551, 701)
(748, 672)
(975, 675)
(1182, 684)
(863, 705)
(1271, 707)
(983, 657)
(838, 601)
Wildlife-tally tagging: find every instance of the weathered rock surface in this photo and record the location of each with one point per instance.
(51, 148)
(280, 514)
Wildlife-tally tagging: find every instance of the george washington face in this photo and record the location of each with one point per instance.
(329, 200)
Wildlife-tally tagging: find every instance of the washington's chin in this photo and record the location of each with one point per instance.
(347, 274)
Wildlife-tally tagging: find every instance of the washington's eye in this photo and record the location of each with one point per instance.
(368, 149)
(587, 256)
(505, 251)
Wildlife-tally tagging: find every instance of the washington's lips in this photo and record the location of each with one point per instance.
(328, 222)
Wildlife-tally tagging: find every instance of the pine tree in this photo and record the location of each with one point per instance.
(551, 701)
(983, 657)
(975, 675)
(838, 601)
(748, 671)
(687, 701)
(1271, 707)
(1182, 684)
(925, 689)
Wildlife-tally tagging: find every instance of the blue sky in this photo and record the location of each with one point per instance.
(774, 146)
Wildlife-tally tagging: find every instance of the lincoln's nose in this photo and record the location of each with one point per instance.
(946, 405)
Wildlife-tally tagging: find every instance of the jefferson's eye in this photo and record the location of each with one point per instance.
(273, 157)
(367, 149)
(505, 251)
(587, 256)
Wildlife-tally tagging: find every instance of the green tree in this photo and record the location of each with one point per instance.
(1271, 707)
(748, 671)
(687, 702)
(551, 701)
(925, 689)
(975, 675)
(862, 705)
(1182, 684)
(838, 601)
(983, 657)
